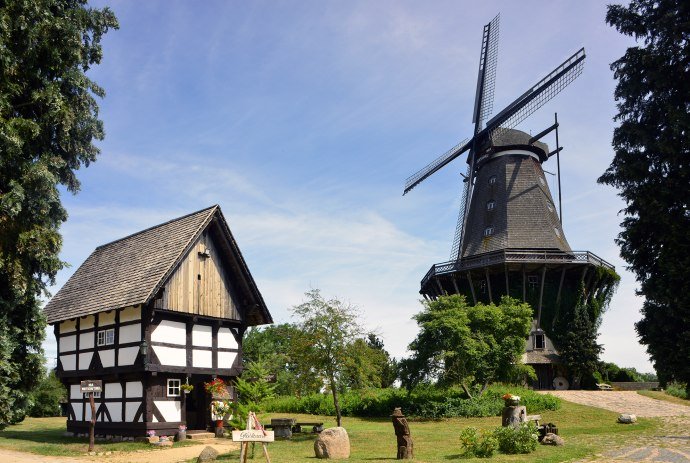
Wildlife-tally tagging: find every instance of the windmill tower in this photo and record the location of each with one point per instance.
(509, 238)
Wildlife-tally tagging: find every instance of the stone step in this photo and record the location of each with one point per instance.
(200, 435)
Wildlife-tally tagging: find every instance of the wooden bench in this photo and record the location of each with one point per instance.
(535, 418)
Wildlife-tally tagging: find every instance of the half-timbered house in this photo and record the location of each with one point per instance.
(148, 313)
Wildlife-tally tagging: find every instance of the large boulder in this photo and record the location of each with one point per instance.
(332, 443)
(552, 439)
(627, 418)
(208, 454)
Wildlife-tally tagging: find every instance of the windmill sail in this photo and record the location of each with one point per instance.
(434, 166)
(486, 76)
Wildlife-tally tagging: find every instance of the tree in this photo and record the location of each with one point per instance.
(252, 387)
(48, 121)
(651, 169)
(330, 327)
(46, 398)
(368, 364)
(459, 344)
(578, 347)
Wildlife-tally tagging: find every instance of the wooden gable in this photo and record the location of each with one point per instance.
(202, 282)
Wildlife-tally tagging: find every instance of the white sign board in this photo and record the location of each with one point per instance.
(252, 435)
(91, 385)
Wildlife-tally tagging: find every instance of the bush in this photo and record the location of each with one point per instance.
(423, 402)
(479, 445)
(45, 399)
(677, 390)
(520, 439)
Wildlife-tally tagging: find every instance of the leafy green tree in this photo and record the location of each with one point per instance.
(578, 347)
(368, 365)
(252, 388)
(460, 344)
(278, 347)
(48, 122)
(46, 398)
(651, 169)
(329, 327)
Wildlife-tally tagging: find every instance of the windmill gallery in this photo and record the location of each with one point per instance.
(169, 305)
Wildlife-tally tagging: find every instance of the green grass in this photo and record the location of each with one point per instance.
(586, 431)
(661, 395)
(44, 436)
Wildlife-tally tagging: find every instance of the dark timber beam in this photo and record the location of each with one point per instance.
(524, 284)
(474, 296)
(440, 287)
(541, 295)
(505, 267)
(488, 285)
(455, 284)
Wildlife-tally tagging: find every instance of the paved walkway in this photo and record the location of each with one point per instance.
(671, 445)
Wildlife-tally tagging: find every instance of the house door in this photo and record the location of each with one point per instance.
(197, 406)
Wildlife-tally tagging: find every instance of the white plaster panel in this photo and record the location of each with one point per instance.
(169, 409)
(85, 360)
(202, 358)
(130, 333)
(202, 335)
(115, 410)
(107, 357)
(133, 389)
(68, 343)
(171, 355)
(154, 420)
(131, 410)
(170, 332)
(75, 391)
(86, 340)
(69, 362)
(127, 355)
(86, 322)
(68, 326)
(106, 318)
(226, 359)
(113, 391)
(130, 313)
(226, 339)
(77, 407)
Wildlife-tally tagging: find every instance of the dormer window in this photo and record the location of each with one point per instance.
(106, 337)
(488, 231)
(538, 340)
(490, 205)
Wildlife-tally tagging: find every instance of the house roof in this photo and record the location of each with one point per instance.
(131, 270)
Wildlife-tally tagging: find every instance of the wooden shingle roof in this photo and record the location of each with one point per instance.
(129, 271)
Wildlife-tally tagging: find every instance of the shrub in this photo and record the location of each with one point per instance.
(677, 390)
(519, 439)
(423, 402)
(479, 445)
(45, 399)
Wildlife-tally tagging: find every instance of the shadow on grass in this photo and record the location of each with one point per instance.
(43, 437)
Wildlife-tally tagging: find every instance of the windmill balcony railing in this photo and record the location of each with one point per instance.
(515, 256)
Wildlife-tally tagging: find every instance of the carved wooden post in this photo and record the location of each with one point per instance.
(402, 433)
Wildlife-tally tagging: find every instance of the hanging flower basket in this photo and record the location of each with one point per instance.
(217, 388)
(187, 388)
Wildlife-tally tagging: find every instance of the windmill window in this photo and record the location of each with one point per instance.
(174, 387)
(538, 341)
(548, 204)
(490, 205)
(488, 231)
(533, 282)
(542, 181)
(492, 180)
(106, 337)
(557, 232)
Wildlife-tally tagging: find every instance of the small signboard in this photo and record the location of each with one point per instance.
(253, 435)
(92, 385)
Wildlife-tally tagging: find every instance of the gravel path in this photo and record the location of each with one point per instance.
(670, 445)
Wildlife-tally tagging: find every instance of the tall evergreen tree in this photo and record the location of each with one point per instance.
(652, 171)
(48, 122)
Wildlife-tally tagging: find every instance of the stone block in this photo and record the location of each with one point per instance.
(627, 418)
(332, 443)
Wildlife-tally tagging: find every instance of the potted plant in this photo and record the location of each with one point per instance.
(511, 400)
(217, 388)
(181, 432)
(187, 388)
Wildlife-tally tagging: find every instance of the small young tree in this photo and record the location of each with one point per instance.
(578, 348)
(459, 344)
(329, 327)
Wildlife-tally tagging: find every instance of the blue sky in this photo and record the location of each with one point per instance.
(303, 118)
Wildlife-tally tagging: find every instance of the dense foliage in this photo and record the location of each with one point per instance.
(253, 387)
(423, 402)
(679, 390)
(46, 398)
(475, 443)
(460, 344)
(48, 122)
(578, 346)
(651, 169)
(518, 439)
(611, 372)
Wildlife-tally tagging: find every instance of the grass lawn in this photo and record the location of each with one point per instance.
(661, 395)
(44, 436)
(586, 431)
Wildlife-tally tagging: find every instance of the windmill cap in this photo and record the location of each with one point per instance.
(516, 137)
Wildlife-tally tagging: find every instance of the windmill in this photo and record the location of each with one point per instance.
(509, 238)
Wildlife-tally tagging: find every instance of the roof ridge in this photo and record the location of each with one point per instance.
(184, 250)
(154, 226)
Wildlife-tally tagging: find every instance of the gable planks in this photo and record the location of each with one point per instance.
(201, 285)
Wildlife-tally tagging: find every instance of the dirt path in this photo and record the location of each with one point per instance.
(173, 455)
(670, 445)
(624, 402)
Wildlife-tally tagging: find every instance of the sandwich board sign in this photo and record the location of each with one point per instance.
(253, 435)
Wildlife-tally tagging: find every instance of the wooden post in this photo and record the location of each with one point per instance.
(92, 424)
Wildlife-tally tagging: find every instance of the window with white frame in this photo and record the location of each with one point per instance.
(106, 337)
(488, 231)
(490, 205)
(492, 180)
(174, 387)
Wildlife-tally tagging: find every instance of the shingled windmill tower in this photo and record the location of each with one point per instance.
(509, 238)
